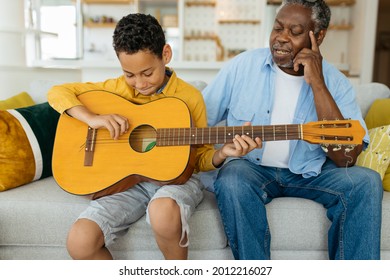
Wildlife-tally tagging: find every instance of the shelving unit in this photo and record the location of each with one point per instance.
(233, 22)
(99, 21)
(212, 31)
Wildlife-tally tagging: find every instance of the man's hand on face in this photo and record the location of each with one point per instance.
(311, 60)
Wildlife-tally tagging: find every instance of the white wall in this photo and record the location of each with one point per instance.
(12, 33)
(14, 80)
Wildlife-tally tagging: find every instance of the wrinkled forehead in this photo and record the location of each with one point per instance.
(295, 14)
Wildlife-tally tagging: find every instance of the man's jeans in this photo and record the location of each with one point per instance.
(352, 197)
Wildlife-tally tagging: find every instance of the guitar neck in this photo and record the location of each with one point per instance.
(222, 135)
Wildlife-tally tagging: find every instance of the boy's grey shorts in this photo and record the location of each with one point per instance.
(115, 213)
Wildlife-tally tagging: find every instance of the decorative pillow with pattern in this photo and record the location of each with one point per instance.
(27, 139)
(378, 115)
(377, 154)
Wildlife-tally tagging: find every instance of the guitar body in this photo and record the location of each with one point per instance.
(116, 165)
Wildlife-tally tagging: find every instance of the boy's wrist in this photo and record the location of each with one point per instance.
(219, 158)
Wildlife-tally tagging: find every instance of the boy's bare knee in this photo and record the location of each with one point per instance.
(165, 216)
(85, 238)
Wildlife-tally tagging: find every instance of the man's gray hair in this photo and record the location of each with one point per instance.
(320, 12)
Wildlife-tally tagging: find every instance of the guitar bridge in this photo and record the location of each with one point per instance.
(90, 146)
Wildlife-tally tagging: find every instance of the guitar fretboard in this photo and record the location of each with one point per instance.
(221, 135)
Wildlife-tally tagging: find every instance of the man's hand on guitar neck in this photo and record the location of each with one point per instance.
(115, 124)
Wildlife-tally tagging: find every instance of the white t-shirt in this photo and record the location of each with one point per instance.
(287, 90)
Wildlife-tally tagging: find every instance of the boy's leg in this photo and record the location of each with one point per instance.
(105, 219)
(169, 212)
(86, 241)
(165, 220)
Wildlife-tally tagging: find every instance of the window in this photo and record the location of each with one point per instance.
(59, 29)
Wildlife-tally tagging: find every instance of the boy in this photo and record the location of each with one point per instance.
(139, 43)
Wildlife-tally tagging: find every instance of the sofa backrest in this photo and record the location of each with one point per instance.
(367, 93)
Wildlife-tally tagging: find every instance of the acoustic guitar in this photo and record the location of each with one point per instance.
(160, 144)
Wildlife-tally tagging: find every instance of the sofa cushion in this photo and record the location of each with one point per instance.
(43, 213)
(26, 137)
(377, 155)
(20, 100)
(378, 114)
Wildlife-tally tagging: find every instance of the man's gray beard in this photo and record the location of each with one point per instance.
(289, 65)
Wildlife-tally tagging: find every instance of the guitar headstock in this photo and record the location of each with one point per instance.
(337, 132)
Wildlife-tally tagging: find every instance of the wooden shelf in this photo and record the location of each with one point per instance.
(238, 21)
(341, 2)
(201, 37)
(201, 3)
(341, 27)
(100, 25)
(329, 2)
(107, 1)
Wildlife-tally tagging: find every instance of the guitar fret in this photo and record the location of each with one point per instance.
(262, 133)
(286, 131)
(273, 128)
(178, 136)
(300, 131)
(170, 136)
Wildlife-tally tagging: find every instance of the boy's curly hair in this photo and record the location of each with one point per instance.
(139, 32)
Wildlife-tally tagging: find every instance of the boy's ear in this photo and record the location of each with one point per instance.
(167, 54)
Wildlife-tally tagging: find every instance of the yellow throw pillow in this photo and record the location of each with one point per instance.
(377, 154)
(20, 100)
(378, 115)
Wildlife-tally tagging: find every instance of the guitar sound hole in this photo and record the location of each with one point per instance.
(143, 138)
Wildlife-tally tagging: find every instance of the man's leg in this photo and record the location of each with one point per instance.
(353, 199)
(241, 191)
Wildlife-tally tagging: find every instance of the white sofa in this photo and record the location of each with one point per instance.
(35, 219)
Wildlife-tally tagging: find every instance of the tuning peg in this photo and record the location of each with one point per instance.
(324, 147)
(337, 148)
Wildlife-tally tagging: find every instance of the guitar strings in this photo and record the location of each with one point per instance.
(187, 136)
(136, 138)
(278, 136)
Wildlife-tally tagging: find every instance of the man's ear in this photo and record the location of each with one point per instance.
(320, 36)
(167, 54)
